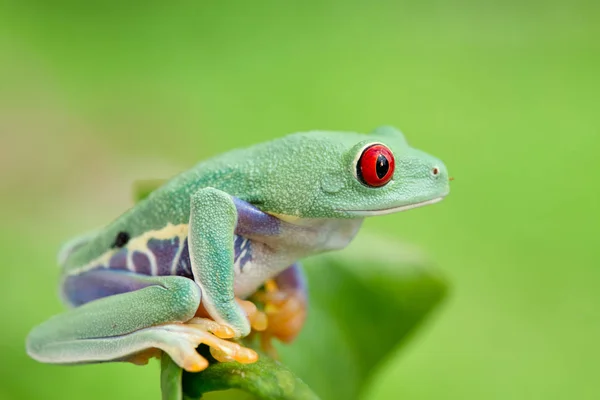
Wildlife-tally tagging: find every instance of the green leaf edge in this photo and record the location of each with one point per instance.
(266, 379)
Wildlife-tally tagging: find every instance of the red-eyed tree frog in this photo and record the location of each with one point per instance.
(174, 271)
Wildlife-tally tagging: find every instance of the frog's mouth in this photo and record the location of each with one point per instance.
(384, 211)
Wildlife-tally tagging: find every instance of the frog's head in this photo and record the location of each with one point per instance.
(345, 175)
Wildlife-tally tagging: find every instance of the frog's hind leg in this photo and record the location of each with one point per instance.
(285, 300)
(126, 316)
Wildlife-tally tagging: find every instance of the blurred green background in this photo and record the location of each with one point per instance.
(95, 95)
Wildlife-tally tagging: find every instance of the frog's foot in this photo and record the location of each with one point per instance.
(144, 357)
(258, 319)
(181, 340)
(286, 313)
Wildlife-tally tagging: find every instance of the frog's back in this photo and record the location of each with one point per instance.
(231, 172)
(164, 213)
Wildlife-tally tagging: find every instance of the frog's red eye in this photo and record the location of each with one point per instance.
(375, 167)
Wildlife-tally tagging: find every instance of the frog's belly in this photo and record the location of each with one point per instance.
(254, 262)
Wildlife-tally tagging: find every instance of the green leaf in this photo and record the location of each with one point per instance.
(365, 301)
(265, 379)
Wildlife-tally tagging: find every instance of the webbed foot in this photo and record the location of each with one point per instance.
(285, 312)
(199, 331)
(258, 319)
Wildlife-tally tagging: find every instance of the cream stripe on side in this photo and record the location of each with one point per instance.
(139, 243)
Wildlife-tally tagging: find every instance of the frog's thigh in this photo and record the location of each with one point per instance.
(120, 325)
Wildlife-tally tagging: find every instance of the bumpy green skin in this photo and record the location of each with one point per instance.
(307, 180)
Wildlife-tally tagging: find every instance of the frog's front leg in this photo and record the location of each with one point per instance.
(214, 218)
(124, 315)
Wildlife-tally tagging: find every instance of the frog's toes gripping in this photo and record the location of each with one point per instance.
(185, 338)
(285, 311)
(258, 319)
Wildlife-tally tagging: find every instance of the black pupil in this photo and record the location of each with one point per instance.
(121, 239)
(382, 167)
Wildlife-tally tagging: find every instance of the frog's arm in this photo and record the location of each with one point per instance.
(123, 317)
(289, 292)
(215, 217)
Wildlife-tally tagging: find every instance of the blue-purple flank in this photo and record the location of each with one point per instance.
(242, 251)
(163, 257)
(101, 280)
(166, 253)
